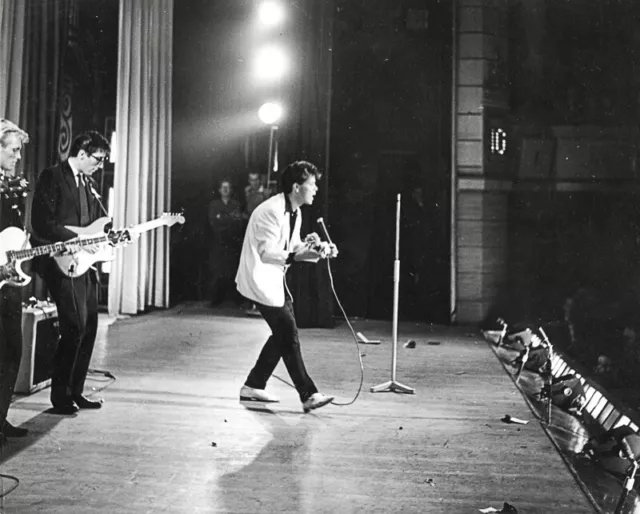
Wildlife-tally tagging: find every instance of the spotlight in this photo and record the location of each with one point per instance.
(270, 113)
(271, 63)
(271, 13)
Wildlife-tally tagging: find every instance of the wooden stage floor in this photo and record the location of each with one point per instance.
(151, 447)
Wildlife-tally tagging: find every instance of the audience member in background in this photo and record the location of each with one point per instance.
(226, 223)
(254, 193)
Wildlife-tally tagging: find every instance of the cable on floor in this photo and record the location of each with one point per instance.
(355, 339)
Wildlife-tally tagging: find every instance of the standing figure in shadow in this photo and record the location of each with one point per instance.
(226, 223)
(11, 140)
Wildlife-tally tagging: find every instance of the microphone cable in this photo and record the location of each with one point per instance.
(107, 374)
(4, 492)
(355, 339)
(353, 333)
(3, 476)
(346, 318)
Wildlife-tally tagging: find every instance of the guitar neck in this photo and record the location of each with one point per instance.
(92, 240)
(148, 225)
(56, 247)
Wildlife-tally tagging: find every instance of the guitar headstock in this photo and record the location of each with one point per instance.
(170, 218)
(129, 234)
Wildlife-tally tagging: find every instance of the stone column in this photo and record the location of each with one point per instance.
(482, 181)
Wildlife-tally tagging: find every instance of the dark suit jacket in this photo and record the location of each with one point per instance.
(55, 204)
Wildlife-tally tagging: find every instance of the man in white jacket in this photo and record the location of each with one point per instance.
(271, 243)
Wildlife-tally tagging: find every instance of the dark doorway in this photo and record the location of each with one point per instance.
(390, 134)
(423, 257)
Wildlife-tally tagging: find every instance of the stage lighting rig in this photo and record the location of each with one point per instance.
(271, 64)
(271, 69)
(271, 13)
(270, 113)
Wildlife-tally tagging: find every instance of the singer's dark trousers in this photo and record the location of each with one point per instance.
(77, 303)
(10, 345)
(283, 343)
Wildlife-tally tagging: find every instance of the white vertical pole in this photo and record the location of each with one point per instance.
(271, 136)
(453, 247)
(392, 385)
(396, 292)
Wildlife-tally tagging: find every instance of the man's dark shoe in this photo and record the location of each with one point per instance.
(64, 408)
(10, 431)
(84, 403)
(62, 401)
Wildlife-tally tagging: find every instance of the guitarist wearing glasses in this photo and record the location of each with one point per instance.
(63, 199)
(11, 140)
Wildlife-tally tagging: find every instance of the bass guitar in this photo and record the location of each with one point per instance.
(96, 243)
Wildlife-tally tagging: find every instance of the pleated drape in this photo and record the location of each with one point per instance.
(33, 39)
(12, 36)
(140, 274)
(306, 136)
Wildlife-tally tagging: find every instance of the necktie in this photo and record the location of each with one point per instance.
(84, 204)
(292, 223)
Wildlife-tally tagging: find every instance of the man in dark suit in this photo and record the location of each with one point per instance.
(226, 224)
(64, 197)
(11, 140)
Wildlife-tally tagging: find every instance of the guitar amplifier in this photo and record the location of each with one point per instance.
(40, 334)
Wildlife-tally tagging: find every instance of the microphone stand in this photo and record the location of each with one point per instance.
(392, 385)
(523, 360)
(629, 480)
(548, 374)
(503, 332)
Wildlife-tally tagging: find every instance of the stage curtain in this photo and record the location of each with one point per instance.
(140, 274)
(33, 100)
(306, 136)
(12, 30)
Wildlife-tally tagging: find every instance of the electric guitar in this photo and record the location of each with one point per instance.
(96, 244)
(16, 249)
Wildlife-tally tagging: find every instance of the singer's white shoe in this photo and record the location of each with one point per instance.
(315, 401)
(249, 394)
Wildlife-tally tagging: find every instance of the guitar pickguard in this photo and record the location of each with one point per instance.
(9, 276)
(11, 273)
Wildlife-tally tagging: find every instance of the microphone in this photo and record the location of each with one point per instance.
(321, 221)
(92, 188)
(88, 181)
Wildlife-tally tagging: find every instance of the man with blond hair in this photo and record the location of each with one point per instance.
(12, 138)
